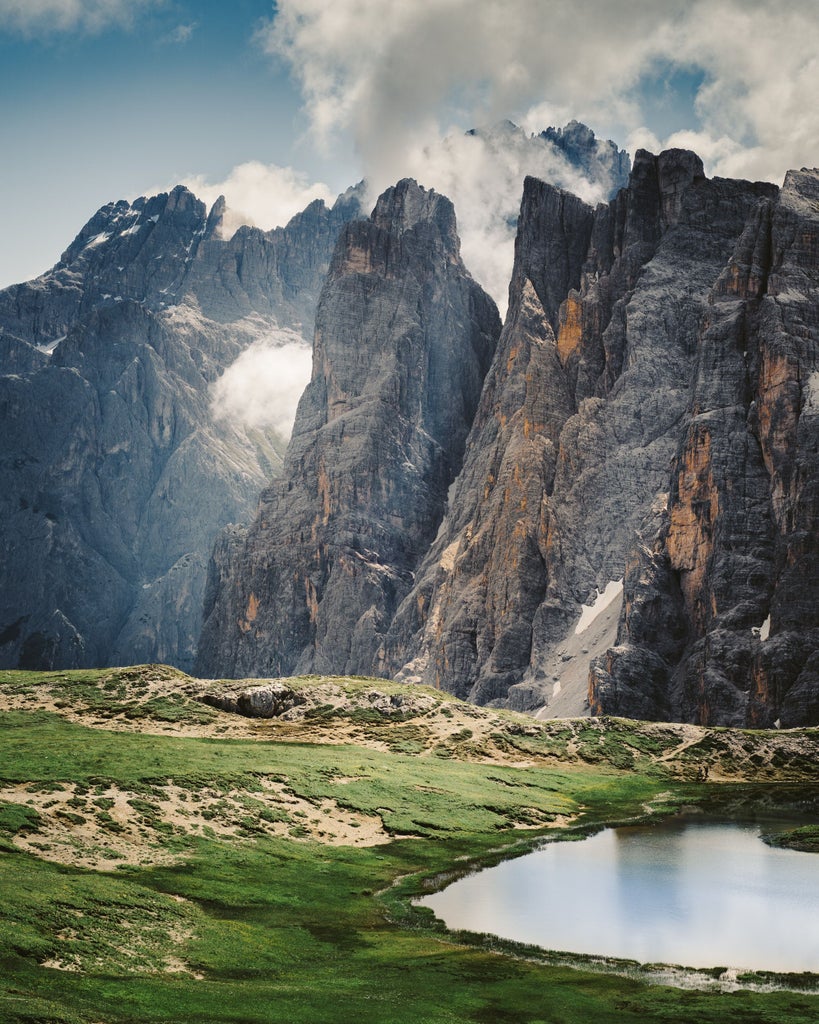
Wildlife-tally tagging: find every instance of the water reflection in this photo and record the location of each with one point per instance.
(693, 893)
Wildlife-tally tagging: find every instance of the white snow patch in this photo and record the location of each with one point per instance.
(811, 394)
(557, 689)
(614, 588)
(763, 631)
(103, 236)
(49, 346)
(263, 386)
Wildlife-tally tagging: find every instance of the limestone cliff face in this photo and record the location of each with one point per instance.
(577, 425)
(734, 553)
(483, 580)
(115, 473)
(403, 340)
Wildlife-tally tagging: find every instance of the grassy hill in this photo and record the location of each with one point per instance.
(165, 859)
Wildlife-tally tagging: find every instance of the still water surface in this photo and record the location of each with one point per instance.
(693, 893)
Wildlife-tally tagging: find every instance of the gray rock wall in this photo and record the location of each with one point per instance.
(115, 476)
(403, 340)
(578, 424)
(732, 560)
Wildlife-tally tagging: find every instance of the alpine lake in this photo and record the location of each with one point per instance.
(689, 891)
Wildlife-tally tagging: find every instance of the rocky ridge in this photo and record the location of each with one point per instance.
(646, 424)
(721, 614)
(577, 425)
(116, 470)
(403, 340)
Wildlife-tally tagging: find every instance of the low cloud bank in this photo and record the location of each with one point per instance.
(262, 388)
(263, 195)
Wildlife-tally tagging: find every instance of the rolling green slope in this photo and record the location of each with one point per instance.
(161, 860)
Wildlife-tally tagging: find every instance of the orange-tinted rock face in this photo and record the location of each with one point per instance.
(251, 612)
(743, 521)
(779, 403)
(694, 512)
(403, 340)
(571, 327)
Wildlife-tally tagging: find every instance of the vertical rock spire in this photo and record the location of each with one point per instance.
(403, 340)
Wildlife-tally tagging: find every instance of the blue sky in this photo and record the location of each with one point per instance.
(88, 117)
(108, 99)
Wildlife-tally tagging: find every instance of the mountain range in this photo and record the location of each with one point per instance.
(607, 504)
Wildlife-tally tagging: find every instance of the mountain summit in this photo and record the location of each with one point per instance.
(117, 471)
(645, 426)
(609, 505)
(404, 338)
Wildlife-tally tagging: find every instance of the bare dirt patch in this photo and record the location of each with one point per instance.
(107, 827)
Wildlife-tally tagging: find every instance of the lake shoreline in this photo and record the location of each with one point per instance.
(734, 804)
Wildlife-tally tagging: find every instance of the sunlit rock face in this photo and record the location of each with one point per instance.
(116, 469)
(735, 552)
(579, 422)
(404, 338)
(645, 430)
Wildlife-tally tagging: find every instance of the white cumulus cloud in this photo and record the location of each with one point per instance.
(50, 17)
(264, 195)
(263, 386)
(393, 71)
(396, 74)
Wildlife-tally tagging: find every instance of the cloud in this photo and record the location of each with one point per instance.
(483, 173)
(52, 17)
(261, 389)
(396, 74)
(756, 107)
(392, 71)
(180, 35)
(264, 195)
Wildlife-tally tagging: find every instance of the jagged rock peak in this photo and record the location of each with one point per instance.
(111, 499)
(582, 148)
(216, 217)
(405, 204)
(124, 218)
(554, 231)
(801, 188)
(403, 340)
(579, 419)
(600, 162)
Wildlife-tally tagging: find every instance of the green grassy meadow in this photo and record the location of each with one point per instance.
(252, 904)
